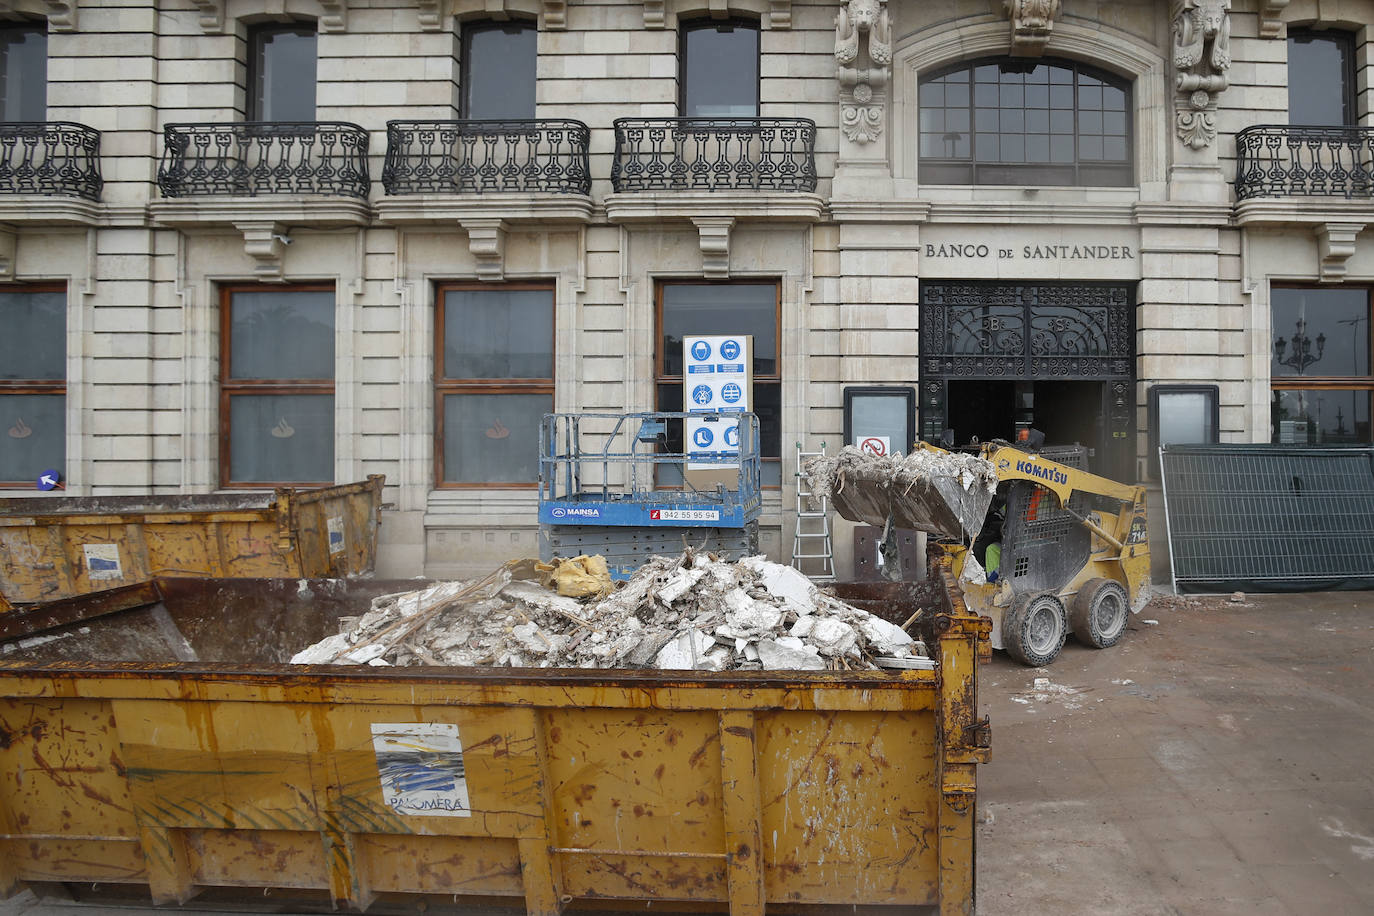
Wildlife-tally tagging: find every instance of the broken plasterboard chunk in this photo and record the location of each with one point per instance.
(780, 658)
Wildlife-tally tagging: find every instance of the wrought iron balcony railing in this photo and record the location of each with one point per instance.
(710, 154)
(56, 158)
(1279, 160)
(487, 157)
(257, 158)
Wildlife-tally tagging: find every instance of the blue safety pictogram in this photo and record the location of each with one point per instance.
(701, 394)
(701, 351)
(729, 349)
(731, 393)
(732, 436)
(703, 437)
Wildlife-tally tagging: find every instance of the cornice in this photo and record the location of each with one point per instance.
(42, 210)
(1301, 211)
(753, 206)
(283, 209)
(513, 209)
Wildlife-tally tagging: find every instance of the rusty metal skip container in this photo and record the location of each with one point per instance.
(207, 766)
(53, 548)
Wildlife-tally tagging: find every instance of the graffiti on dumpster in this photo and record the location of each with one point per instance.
(420, 765)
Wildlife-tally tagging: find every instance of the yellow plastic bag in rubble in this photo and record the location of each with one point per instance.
(577, 577)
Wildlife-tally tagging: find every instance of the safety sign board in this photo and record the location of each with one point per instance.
(718, 383)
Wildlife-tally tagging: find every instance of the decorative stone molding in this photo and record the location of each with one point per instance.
(335, 18)
(715, 245)
(431, 15)
(780, 14)
(211, 15)
(864, 67)
(1031, 24)
(265, 242)
(1335, 245)
(1202, 55)
(61, 15)
(555, 15)
(9, 238)
(487, 242)
(655, 14)
(1270, 26)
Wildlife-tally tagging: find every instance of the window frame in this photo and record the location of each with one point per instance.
(444, 386)
(40, 386)
(256, 67)
(688, 26)
(229, 387)
(1034, 174)
(473, 27)
(37, 28)
(661, 378)
(1349, 76)
(1356, 383)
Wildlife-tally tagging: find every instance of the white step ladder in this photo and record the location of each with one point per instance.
(812, 551)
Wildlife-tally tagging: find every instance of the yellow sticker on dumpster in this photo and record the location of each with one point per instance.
(420, 765)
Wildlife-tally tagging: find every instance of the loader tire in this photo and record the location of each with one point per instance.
(1098, 613)
(1034, 629)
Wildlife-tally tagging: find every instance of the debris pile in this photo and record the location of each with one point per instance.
(692, 612)
(931, 490)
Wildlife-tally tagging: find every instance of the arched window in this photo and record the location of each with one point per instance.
(1321, 78)
(719, 69)
(1042, 122)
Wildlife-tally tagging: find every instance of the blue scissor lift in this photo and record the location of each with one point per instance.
(609, 484)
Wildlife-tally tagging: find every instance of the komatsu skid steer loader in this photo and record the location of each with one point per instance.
(1042, 547)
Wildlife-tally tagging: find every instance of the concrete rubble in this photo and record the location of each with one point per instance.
(942, 493)
(691, 612)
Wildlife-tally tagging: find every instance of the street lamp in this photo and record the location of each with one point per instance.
(1301, 356)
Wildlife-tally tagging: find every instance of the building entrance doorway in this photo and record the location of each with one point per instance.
(1056, 356)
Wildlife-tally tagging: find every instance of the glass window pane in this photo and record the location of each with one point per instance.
(932, 94)
(499, 71)
(281, 438)
(498, 333)
(33, 342)
(493, 438)
(24, 74)
(1185, 418)
(1320, 332)
(727, 308)
(1320, 417)
(956, 94)
(1090, 148)
(1319, 90)
(1038, 148)
(282, 334)
(720, 70)
(284, 83)
(34, 437)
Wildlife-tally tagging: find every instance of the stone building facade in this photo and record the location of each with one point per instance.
(254, 242)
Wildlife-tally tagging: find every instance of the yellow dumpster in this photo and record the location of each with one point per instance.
(207, 768)
(56, 547)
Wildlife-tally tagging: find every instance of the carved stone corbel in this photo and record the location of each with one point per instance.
(555, 15)
(9, 244)
(335, 18)
(487, 242)
(654, 14)
(211, 16)
(1202, 55)
(61, 15)
(863, 67)
(265, 242)
(1270, 26)
(431, 15)
(1031, 24)
(1335, 245)
(715, 245)
(780, 14)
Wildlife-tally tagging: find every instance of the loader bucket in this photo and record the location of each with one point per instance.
(941, 493)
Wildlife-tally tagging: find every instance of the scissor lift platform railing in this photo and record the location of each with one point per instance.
(614, 484)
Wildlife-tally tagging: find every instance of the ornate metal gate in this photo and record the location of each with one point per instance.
(1024, 332)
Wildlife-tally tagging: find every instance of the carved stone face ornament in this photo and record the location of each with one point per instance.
(1202, 55)
(856, 20)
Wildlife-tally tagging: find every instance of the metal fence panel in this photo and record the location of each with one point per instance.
(1270, 517)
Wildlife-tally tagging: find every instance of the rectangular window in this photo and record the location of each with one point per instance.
(33, 383)
(1321, 78)
(281, 73)
(493, 370)
(277, 390)
(24, 73)
(694, 308)
(499, 70)
(719, 69)
(1320, 365)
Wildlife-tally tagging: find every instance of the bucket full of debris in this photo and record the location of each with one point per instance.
(946, 494)
(709, 735)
